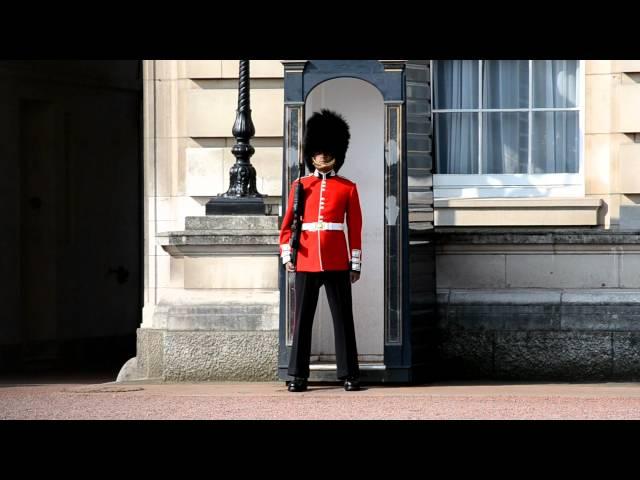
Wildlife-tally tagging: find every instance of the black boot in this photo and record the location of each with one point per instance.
(352, 384)
(299, 384)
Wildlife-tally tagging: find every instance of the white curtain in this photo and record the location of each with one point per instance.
(505, 143)
(456, 85)
(554, 83)
(554, 143)
(505, 135)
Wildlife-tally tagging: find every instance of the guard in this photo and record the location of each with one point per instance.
(321, 241)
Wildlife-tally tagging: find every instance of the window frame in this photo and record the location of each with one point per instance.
(515, 185)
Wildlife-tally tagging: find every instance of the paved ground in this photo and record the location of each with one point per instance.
(99, 398)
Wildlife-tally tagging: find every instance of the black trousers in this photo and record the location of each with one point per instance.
(337, 284)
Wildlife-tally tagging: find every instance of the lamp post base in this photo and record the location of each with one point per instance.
(235, 206)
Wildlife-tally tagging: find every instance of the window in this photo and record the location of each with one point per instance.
(507, 127)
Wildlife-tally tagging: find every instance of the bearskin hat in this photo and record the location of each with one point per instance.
(326, 132)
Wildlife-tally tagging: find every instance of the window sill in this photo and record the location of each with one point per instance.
(559, 211)
(550, 185)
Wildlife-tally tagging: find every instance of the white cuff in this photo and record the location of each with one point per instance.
(356, 259)
(285, 249)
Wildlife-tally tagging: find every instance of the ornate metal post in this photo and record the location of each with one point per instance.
(242, 197)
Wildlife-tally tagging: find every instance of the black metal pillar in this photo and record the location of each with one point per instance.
(242, 197)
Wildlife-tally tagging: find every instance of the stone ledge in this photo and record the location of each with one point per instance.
(601, 297)
(555, 202)
(495, 236)
(517, 211)
(223, 234)
(501, 297)
(534, 296)
(214, 237)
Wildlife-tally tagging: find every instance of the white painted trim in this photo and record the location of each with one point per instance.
(530, 120)
(518, 202)
(480, 104)
(582, 71)
(500, 110)
(508, 185)
(497, 180)
(510, 192)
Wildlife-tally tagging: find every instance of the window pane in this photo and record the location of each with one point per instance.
(554, 142)
(505, 142)
(505, 84)
(555, 83)
(456, 83)
(457, 147)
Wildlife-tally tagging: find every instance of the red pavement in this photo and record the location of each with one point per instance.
(99, 398)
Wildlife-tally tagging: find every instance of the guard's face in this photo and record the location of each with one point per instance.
(323, 162)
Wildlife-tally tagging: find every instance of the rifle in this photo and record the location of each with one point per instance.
(298, 208)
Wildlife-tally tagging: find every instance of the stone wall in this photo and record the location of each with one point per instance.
(553, 305)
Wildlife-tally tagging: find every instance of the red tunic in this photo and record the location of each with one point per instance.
(327, 198)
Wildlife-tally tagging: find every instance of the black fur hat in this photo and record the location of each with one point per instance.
(326, 132)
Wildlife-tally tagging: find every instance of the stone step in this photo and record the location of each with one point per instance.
(217, 317)
(222, 309)
(232, 222)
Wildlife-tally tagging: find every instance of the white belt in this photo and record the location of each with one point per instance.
(322, 226)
